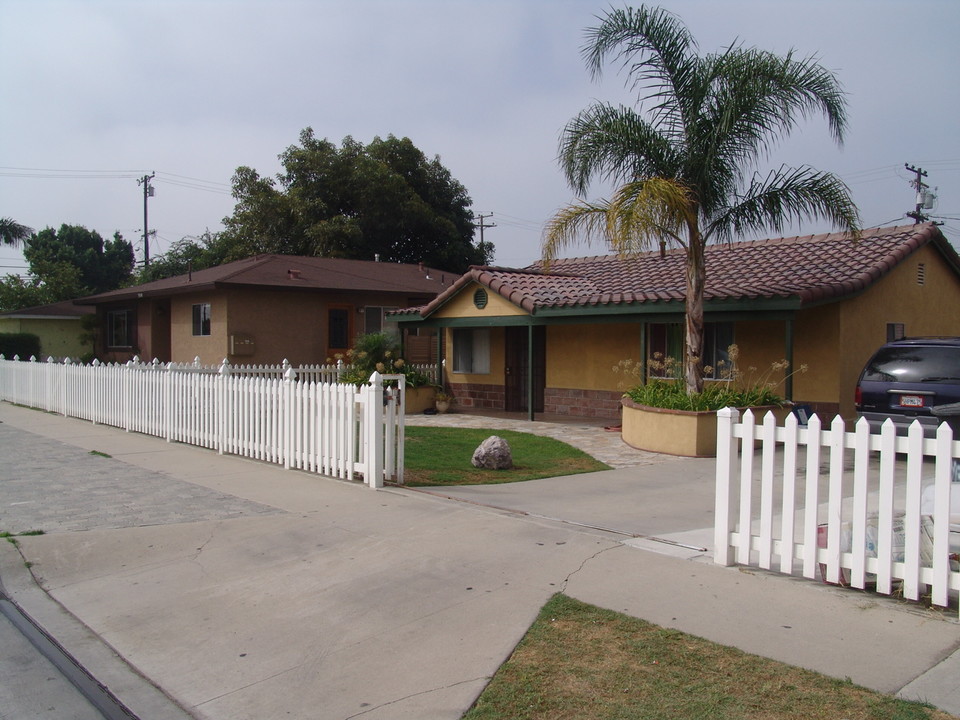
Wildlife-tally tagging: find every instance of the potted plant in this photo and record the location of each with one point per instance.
(442, 401)
(381, 352)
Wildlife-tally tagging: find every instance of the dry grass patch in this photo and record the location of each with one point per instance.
(579, 662)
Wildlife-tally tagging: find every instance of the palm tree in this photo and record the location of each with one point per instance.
(682, 169)
(13, 233)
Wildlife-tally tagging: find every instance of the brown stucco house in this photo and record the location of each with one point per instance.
(263, 310)
(547, 340)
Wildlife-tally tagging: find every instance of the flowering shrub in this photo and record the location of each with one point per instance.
(378, 352)
(740, 389)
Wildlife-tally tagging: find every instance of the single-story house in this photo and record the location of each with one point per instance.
(58, 325)
(264, 309)
(548, 339)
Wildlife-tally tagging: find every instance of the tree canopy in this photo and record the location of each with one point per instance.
(66, 264)
(355, 201)
(686, 169)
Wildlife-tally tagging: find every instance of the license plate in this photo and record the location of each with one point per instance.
(911, 401)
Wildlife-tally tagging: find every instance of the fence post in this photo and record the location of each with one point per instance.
(223, 412)
(286, 417)
(373, 431)
(168, 402)
(49, 385)
(726, 471)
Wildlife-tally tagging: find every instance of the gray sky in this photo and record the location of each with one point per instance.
(97, 93)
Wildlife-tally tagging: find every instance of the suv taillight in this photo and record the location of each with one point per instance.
(858, 397)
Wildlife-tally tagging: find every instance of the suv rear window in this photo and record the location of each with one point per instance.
(915, 364)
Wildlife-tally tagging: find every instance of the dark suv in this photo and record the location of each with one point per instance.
(906, 380)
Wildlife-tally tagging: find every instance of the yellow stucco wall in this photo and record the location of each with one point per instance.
(583, 356)
(58, 338)
(461, 305)
(932, 308)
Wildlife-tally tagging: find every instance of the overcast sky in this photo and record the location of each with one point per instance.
(99, 93)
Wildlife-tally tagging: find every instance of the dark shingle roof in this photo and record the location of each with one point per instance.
(294, 272)
(65, 309)
(810, 269)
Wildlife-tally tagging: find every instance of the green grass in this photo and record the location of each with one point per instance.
(441, 456)
(579, 662)
(100, 454)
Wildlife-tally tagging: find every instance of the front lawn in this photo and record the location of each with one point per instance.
(441, 456)
(579, 662)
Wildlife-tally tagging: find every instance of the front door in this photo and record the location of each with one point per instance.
(517, 370)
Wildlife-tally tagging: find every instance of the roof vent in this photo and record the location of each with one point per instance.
(921, 273)
(293, 274)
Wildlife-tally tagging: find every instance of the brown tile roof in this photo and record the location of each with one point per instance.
(294, 272)
(808, 269)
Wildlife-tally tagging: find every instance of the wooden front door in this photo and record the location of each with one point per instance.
(517, 370)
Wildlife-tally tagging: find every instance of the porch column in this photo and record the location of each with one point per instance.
(530, 390)
(788, 353)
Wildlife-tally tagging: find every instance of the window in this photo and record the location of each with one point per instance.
(375, 320)
(471, 351)
(201, 319)
(338, 328)
(666, 349)
(717, 338)
(120, 324)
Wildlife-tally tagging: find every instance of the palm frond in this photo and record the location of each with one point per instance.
(13, 233)
(787, 195)
(613, 143)
(640, 215)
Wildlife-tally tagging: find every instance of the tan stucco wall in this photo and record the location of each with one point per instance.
(58, 338)
(583, 356)
(212, 348)
(461, 305)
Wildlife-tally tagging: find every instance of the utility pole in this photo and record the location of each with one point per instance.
(480, 224)
(924, 196)
(147, 193)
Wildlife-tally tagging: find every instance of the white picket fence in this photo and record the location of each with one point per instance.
(841, 502)
(317, 425)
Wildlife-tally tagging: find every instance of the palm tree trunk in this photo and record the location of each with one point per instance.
(696, 273)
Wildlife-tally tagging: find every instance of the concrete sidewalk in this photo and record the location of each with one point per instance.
(246, 591)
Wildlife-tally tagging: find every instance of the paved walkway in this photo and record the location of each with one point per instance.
(245, 591)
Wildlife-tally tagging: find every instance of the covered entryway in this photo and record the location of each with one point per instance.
(525, 368)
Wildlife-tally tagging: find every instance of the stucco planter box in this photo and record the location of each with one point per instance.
(418, 399)
(678, 432)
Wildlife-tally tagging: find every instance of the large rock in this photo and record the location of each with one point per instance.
(493, 454)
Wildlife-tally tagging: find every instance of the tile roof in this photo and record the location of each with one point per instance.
(808, 269)
(294, 272)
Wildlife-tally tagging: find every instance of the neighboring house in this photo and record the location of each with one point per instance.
(58, 326)
(261, 310)
(547, 340)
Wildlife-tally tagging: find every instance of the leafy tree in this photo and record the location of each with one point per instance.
(358, 202)
(101, 266)
(65, 264)
(13, 233)
(682, 170)
(186, 254)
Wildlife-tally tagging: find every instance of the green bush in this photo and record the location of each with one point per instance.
(23, 345)
(378, 352)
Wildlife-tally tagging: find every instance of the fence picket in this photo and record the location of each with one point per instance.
(277, 414)
(883, 521)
